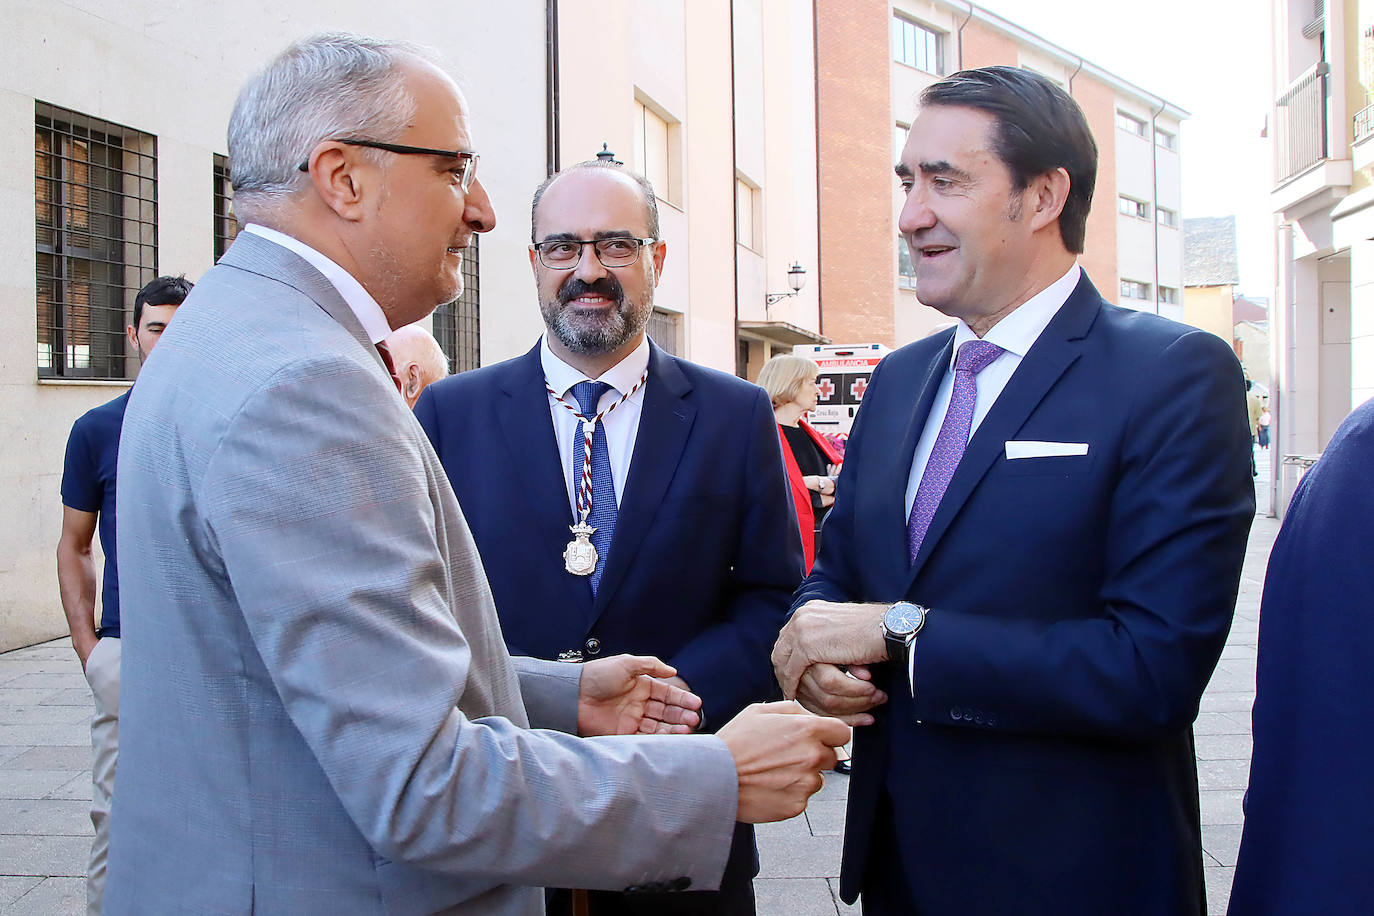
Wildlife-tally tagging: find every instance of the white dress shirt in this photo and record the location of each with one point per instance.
(1015, 334)
(621, 424)
(369, 313)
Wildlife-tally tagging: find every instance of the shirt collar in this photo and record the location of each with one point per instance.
(622, 376)
(1019, 330)
(369, 313)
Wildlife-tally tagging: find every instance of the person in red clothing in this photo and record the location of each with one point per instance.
(812, 462)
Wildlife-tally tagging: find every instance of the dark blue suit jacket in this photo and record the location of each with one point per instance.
(706, 551)
(1306, 846)
(1078, 607)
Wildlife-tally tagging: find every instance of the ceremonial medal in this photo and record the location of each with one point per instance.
(579, 557)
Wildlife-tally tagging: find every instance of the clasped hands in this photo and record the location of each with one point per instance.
(822, 656)
(779, 750)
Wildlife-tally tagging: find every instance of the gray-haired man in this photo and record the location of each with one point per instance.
(320, 715)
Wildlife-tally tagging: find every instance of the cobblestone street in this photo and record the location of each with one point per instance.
(45, 777)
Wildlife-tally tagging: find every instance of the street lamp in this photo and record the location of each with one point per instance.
(796, 278)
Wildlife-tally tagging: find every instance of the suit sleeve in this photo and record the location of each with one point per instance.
(342, 590)
(1133, 666)
(728, 664)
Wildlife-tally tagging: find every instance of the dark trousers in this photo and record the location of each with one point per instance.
(735, 898)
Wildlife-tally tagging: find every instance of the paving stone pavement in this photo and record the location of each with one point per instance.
(45, 779)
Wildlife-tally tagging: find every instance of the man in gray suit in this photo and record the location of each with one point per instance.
(319, 713)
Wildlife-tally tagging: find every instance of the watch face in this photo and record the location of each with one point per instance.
(904, 619)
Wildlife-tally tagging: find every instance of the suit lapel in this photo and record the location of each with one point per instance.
(665, 419)
(533, 460)
(892, 512)
(1048, 358)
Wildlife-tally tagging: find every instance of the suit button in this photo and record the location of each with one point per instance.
(593, 646)
(680, 884)
(956, 713)
(992, 721)
(978, 717)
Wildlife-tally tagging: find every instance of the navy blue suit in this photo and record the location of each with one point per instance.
(706, 551)
(1078, 607)
(1306, 845)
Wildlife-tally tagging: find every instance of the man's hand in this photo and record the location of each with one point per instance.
(780, 751)
(84, 644)
(622, 695)
(845, 693)
(830, 633)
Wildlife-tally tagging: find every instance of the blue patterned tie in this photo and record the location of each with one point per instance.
(602, 516)
(974, 356)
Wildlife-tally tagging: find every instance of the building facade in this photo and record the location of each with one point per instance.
(112, 139)
(1322, 131)
(873, 59)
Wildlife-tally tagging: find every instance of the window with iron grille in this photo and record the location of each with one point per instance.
(96, 240)
(665, 329)
(226, 226)
(457, 324)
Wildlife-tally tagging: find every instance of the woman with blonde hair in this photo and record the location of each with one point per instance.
(811, 461)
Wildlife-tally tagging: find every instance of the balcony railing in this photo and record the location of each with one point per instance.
(1300, 136)
(1364, 122)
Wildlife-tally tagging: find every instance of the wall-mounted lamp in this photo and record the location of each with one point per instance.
(796, 278)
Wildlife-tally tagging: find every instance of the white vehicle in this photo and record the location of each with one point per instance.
(845, 370)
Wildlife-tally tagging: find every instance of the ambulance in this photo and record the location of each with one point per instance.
(845, 370)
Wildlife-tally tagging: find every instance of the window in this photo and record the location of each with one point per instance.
(749, 214)
(1129, 206)
(664, 329)
(226, 226)
(655, 151)
(1168, 295)
(915, 45)
(900, 132)
(1165, 139)
(1133, 289)
(457, 324)
(95, 238)
(1166, 217)
(906, 270)
(1130, 124)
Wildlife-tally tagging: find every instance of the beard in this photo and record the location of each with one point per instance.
(594, 333)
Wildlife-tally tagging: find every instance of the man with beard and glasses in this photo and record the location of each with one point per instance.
(670, 531)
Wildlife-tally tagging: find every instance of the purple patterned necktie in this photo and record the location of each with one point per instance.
(974, 356)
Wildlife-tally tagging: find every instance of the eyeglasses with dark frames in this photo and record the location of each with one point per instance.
(468, 161)
(564, 254)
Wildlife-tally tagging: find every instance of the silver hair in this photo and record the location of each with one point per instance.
(325, 86)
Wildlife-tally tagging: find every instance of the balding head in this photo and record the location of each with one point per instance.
(418, 358)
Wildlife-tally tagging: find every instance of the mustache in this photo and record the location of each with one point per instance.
(607, 286)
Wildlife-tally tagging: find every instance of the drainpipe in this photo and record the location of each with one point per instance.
(551, 123)
(734, 196)
(959, 37)
(816, 101)
(1154, 193)
(1077, 70)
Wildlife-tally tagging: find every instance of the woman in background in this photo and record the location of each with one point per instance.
(812, 462)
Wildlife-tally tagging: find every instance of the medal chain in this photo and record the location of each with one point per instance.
(584, 492)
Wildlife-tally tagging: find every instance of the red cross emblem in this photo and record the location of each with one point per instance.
(858, 388)
(824, 389)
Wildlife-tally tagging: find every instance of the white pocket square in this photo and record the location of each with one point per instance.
(1030, 448)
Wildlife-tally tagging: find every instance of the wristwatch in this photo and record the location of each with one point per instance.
(900, 625)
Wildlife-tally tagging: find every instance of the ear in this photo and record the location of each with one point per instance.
(660, 252)
(131, 332)
(1050, 191)
(534, 262)
(412, 381)
(340, 176)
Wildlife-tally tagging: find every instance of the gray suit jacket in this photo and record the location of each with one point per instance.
(319, 713)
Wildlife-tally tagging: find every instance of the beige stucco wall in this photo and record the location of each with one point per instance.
(173, 70)
(1209, 308)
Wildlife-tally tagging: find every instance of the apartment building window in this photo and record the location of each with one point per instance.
(1166, 217)
(1131, 124)
(656, 153)
(1129, 206)
(900, 132)
(226, 226)
(749, 214)
(1134, 289)
(95, 239)
(915, 45)
(458, 324)
(665, 329)
(1169, 295)
(1166, 139)
(906, 270)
